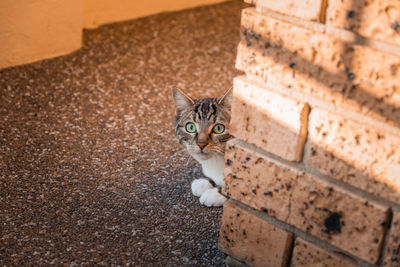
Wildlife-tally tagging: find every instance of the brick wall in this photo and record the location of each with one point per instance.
(313, 175)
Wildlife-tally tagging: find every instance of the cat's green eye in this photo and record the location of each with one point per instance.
(190, 127)
(219, 129)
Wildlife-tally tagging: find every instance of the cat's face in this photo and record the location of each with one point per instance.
(202, 124)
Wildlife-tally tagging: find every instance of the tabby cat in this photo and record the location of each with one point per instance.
(202, 126)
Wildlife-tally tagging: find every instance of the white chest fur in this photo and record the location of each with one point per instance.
(213, 168)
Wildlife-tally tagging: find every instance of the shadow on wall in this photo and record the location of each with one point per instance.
(348, 78)
(341, 148)
(341, 73)
(321, 191)
(347, 220)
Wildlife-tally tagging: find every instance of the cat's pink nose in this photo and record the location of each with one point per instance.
(202, 145)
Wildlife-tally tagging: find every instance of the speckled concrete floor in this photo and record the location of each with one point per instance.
(90, 171)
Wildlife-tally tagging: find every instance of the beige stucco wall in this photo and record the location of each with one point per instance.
(99, 12)
(32, 30)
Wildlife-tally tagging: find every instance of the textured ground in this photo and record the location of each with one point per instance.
(89, 168)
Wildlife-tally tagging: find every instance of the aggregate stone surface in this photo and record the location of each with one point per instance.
(90, 170)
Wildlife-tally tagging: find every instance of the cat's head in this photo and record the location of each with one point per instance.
(202, 124)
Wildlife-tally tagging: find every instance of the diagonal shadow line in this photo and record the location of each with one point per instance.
(338, 86)
(350, 91)
(328, 157)
(351, 183)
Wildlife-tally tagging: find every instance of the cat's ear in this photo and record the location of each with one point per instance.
(182, 100)
(226, 99)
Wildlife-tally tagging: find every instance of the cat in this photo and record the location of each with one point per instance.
(202, 126)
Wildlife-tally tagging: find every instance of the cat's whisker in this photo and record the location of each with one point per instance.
(177, 152)
(187, 160)
(216, 149)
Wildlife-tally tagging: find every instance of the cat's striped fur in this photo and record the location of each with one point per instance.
(205, 144)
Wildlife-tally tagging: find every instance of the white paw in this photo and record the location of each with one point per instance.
(212, 198)
(199, 186)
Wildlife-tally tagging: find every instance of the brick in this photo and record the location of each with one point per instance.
(355, 77)
(270, 121)
(251, 239)
(306, 254)
(355, 153)
(343, 219)
(376, 19)
(392, 257)
(309, 9)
